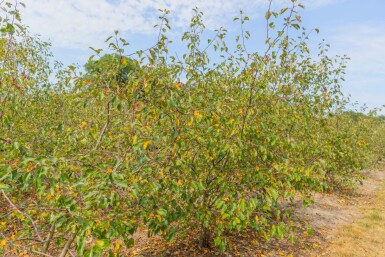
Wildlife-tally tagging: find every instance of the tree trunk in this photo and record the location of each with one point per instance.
(204, 240)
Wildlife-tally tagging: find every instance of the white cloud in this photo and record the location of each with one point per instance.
(71, 23)
(364, 44)
(74, 23)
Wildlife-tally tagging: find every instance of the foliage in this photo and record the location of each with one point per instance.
(88, 161)
(107, 64)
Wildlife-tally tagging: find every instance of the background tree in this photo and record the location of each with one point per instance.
(111, 65)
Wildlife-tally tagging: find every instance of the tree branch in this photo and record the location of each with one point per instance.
(25, 214)
(68, 244)
(49, 237)
(105, 126)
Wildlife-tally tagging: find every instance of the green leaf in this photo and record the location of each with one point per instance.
(4, 187)
(108, 39)
(162, 212)
(80, 244)
(129, 242)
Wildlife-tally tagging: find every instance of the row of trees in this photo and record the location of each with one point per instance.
(173, 143)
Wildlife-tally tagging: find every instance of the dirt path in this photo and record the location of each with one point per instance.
(344, 225)
(360, 228)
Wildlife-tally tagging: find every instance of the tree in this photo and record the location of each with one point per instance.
(112, 65)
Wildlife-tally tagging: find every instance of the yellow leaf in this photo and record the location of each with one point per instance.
(179, 183)
(198, 115)
(117, 245)
(124, 61)
(3, 243)
(84, 124)
(134, 139)
(177, 86)
(100, 243)
(146, 143)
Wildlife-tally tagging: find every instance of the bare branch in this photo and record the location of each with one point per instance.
(40, 253)
(25, 214)
(105, 126)
(49, 237)
(68, 244)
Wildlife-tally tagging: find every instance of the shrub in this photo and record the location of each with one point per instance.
(174, 144)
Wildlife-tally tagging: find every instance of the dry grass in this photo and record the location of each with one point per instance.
(366, 236)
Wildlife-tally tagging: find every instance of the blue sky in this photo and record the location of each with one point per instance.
(352, 27)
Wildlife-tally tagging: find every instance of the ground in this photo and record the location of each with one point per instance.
(364, 235)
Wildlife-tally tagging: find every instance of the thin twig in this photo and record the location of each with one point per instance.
(49, 238)
(251, 94)
(286, 25)
(44, 254)
(25, 214)
(71, 253)
(105, 126)
(243, 34)
(267, 20)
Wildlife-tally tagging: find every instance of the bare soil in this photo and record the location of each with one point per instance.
(364, 235)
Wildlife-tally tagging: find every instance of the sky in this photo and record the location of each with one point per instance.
(352, 27)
